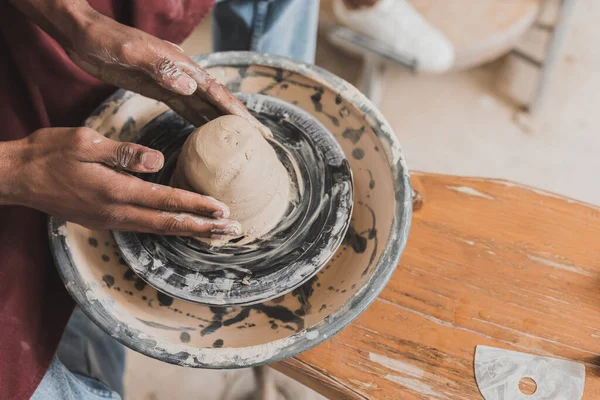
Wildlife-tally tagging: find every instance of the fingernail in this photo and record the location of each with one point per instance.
(266, 131)
(186, 84)
(224, 210)
(233, 229)
(152, 160)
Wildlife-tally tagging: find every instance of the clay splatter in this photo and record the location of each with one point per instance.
(184, 337)
(109, 280)
(353, 135)
(356, 241)
(163, 299)
(358, 153)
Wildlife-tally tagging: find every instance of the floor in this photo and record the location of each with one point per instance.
(465, 123)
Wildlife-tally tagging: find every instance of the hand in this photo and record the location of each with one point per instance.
(71, 173)
(134, 60)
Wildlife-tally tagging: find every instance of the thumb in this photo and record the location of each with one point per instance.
(127, 156)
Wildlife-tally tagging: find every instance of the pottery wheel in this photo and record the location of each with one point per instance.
(199, 335)
(303, 242)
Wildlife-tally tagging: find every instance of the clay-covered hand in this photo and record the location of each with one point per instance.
(132, 59)
(76, 174)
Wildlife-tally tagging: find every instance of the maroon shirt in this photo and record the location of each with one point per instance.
(40, 87)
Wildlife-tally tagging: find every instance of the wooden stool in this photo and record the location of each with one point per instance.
(480, 31)
(556, 32)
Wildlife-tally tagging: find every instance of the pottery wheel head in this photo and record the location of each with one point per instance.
(245, 272)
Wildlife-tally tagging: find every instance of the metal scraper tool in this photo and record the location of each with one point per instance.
(498, 373)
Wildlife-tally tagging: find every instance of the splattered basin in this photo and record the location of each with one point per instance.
(197, 335)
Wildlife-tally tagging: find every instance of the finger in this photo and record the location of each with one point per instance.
(211, 101)
(139, 219)
(221, 97)
(166, 198)
(209, 89)
(193, 108)
(123, 155)
(158, 59)
(157, 68)
(162, 62)
(167, 74)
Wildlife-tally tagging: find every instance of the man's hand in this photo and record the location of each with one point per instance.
(131, 59)
(73, 173)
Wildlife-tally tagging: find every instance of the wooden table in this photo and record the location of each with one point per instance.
(487, 262)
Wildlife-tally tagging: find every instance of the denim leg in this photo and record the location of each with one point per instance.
(89, 364)
(283, 27)
(60, 383)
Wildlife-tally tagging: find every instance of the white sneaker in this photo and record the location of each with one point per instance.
(397, 24)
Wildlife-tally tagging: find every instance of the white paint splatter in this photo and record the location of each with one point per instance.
(364, 385)
(312, 335)
(534, 190)
(505, 183)
(397, 365)
(559, 197)
(470, 191)
(554, 264)
(96, 141)
(415, 385)
(536, 338)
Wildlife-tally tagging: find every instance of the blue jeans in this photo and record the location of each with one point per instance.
(89, 364)
(283, 27)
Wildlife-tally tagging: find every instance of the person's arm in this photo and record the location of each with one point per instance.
(61, 19)
(131, 59)
(9, 159)
(74, 174)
